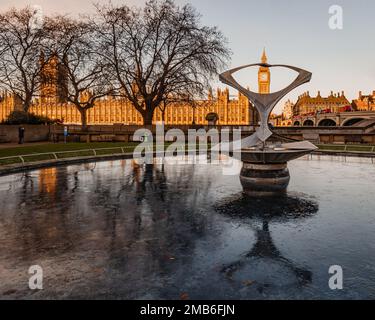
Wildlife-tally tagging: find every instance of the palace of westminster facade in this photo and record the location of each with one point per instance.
(114, 110)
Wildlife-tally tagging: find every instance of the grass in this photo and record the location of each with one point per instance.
(32, 151)
(58, 147)
(347, 148)
(4, 162)
(75, 154)
(332, 147)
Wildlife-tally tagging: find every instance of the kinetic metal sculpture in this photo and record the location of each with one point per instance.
(265, 168)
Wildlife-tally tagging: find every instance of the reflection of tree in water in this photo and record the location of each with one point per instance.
(249, 210)
(149, 216)
(134, 222)
(152, 177)
(47, 228)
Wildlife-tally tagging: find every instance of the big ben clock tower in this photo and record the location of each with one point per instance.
(264, 76)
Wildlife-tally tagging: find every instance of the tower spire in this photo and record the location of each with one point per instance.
(264, 56)
(264, 75)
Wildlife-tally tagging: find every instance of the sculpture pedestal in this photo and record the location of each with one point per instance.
(264, 179)
(265, 172)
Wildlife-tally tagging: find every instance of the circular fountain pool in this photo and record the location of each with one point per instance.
(118, 230)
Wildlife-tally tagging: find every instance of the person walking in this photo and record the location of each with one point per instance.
(21, 135)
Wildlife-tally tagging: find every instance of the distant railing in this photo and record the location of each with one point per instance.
(356, 147)
(57, 154)
(348, 148)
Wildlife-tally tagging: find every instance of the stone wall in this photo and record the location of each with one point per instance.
(33, 133)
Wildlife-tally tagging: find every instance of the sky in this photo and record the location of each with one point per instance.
(294, 32)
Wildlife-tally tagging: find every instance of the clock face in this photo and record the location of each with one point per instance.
(264, 77)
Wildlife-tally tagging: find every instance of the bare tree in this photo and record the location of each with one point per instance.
(198, 104)
(158, 51)
(164, 105)
(171, 99)
(85, 71)
(22, 39)
(189, 99)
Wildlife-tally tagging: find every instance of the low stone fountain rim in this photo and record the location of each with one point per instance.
(271, 156)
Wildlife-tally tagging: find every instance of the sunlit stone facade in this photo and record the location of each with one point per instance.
(8, 103)
(365, 102)
(113, 110)
(307, 104)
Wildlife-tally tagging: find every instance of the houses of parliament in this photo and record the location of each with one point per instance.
(114, 110)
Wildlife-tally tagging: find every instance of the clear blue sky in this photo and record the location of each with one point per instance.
(293, 31)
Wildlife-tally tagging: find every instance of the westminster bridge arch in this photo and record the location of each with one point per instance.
(343, 119)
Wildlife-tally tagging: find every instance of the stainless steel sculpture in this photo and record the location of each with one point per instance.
(265, 167)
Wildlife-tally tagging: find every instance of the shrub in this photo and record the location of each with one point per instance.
(212, 116)
(21, 117)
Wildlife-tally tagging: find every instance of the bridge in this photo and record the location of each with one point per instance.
(342, 119)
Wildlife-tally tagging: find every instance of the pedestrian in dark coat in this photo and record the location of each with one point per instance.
(21, 135)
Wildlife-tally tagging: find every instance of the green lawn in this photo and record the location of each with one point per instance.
(32, 153)
(31, 150)
(347, 148)
(56, 147)
(331, 147)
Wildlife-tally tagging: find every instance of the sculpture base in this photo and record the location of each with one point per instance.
(264, 179)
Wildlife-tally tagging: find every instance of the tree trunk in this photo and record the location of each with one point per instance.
(147, 117)
(27, 104)
(163, 110)
(83, 113)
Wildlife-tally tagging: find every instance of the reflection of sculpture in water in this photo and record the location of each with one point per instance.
(252, 210)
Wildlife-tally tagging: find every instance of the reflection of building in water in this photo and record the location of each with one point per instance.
(48, 180)
(110, 110)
